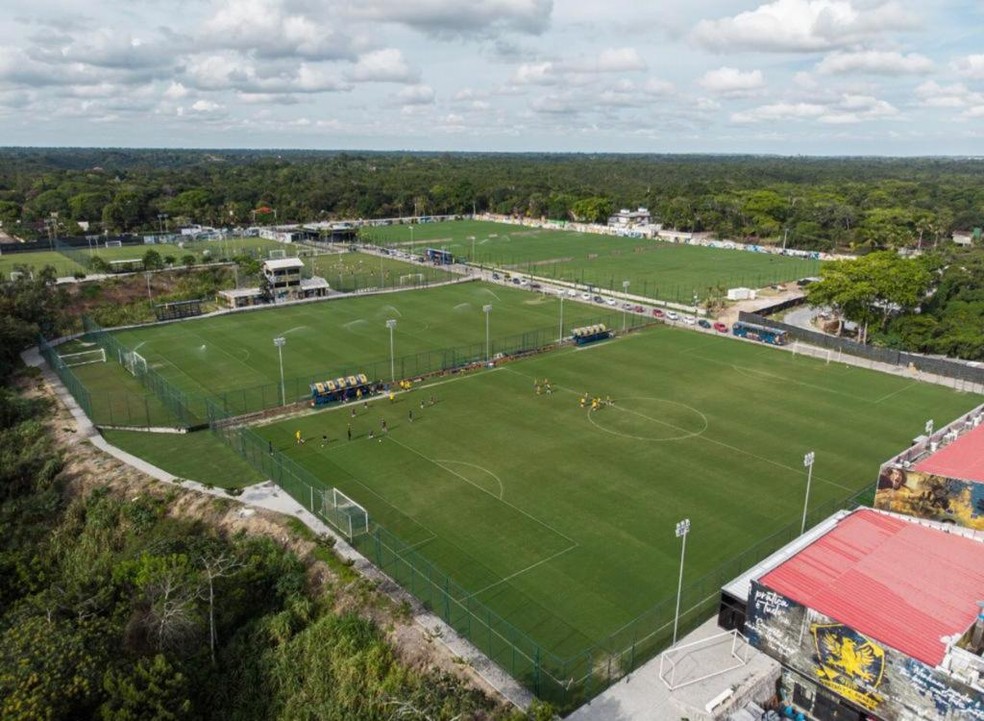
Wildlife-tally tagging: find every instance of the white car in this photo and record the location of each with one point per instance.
(571, 293)
(689, 320)
(670, 315)
(585, 296)
(612, 302)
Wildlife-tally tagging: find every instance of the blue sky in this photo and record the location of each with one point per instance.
(813, 77)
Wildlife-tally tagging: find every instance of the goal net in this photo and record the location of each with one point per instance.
(345, 514)
(83, 357)
(274, 254)
(824, 354)
(114, 243)
(412, 279)
(135, 363)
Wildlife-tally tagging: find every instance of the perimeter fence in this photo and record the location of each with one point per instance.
(564, 680)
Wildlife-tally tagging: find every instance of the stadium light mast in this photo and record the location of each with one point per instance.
(391, 324)
(280, 342)
(149, 296)
(487, 309)
(808, 464)
(682, 529)
(560, 335)
(625, 312)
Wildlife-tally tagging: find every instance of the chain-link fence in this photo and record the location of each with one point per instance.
(566, 682)
(938, 366)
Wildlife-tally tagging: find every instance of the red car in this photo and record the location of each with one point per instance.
(638, 309)
(657, 313)
(720, 327)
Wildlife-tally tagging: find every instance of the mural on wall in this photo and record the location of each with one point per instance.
(873, 676)
(929, 496)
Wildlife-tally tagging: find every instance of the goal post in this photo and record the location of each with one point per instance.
(277, 253)
(114, 243)
(412, 279)
(134, 363)
(83, 357)
(345, 514)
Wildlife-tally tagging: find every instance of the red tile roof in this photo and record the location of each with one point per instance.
(897, 582)
(963, 459)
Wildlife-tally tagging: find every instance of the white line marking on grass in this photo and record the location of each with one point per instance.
(736, 449)
(895, 393)
(487, 492)
(754, 373)
(502, 490)
(137, 346)
(520, 572)
(299, 327)
(684, 432)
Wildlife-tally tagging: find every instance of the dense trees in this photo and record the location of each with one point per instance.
(817, 203)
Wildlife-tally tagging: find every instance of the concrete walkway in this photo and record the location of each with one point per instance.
(644, 696)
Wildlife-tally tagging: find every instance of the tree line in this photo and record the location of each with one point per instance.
(810, 203)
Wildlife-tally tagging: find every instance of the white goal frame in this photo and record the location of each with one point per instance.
(418, 278)
(114, 244)
(85, 357)
(349, 517)
(277, 253)
(134, 363)
(824, 354)
(674, 660)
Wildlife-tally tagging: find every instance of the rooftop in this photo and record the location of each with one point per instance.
(963, 458)
(909, 585)
(283, 263)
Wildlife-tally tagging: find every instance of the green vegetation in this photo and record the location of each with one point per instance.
(115, 606)
(816, 203)
(570, 512)
(193, 456)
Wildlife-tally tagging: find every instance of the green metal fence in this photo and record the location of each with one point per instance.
(566, 682)
(68, 378)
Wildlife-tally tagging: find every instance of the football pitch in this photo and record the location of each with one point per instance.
(560, 518)
(654, 268)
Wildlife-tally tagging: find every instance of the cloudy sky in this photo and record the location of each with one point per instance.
(827, 77)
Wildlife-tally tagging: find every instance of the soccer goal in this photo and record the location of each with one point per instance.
(824, 354)
(135, 363)
(279, 253)
(412, 279)
(83, 357)
(345, 514)
(114, 243)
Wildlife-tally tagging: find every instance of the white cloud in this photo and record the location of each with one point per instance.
(474, 17)
(970, 66)
(205, 106)
(175, 91)
(383, 66)
(958, 95)
(802, 26)
(620, 60)
(416, 95)
(875, 62)
(842, 110)
(731, 81)
(779, 111)
(536, 74)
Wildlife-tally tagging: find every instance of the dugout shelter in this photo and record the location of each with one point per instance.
(341, 389)
(591, 334)
(874, 616)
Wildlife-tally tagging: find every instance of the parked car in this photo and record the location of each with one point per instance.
(720, 327)
(657, 313)
(689, 319)
(535, 286)
(612, 302)
(571, 293)
(585, 296)
(599, 299)
(515, 281)
(495, 276)
(626, 306)
(638, 309)
(670, 315)
(704, 323)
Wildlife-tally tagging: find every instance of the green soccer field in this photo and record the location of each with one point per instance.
(37, 260)
(234, 355)
(561, 519)
(654, 269)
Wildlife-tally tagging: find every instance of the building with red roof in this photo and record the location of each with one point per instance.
(873, 615)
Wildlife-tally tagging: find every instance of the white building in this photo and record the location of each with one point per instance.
(630, 218)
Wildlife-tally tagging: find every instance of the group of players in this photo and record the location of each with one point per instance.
(596, 402)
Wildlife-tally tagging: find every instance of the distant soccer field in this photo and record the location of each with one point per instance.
(654, 269)
(561, 519)
(228, 354)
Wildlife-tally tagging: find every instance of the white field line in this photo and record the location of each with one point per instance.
(520, 572)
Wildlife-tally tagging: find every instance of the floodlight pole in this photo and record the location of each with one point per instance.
(808, 463)
(682, 529)
(280, 342)
(560, 336)
(149, 296)
(625, 312)
(391, 324)
(488, 352)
